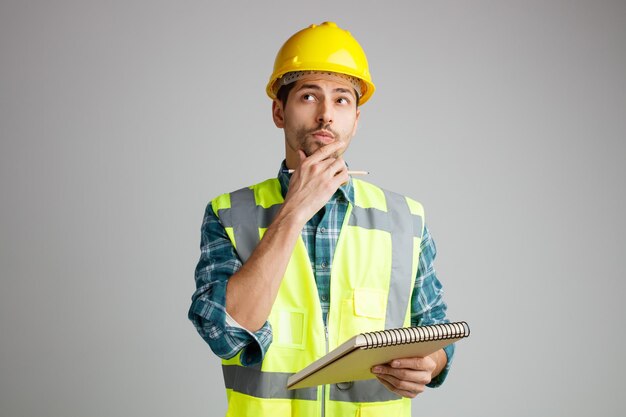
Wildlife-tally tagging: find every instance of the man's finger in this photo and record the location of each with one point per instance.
(402, 374)
(337, 166)
(396, 373)
(400, 392)
(410, 363)
(327, 150)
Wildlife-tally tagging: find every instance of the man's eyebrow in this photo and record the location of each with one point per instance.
(336, 90)
(310, 86)
(344, 90)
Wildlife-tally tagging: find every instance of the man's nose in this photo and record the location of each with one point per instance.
(325, 114)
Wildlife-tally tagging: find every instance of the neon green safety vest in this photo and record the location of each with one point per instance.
(372, 277)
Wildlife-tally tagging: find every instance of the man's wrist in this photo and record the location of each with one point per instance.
(441, 359)
(291, 217)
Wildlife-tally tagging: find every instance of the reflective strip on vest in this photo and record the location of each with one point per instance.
(367, 391)
(252, 381)
(245, 217)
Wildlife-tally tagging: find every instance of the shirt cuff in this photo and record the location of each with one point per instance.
(254, 352)
(223, 334)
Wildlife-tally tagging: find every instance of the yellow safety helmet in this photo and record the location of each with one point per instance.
(326, 48)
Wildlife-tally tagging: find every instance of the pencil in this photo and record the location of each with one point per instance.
(291, 171)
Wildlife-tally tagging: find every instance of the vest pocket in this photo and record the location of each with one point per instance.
(364, 312)
(370, 302)
(289, 328)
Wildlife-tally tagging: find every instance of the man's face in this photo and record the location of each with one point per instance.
(320, 109)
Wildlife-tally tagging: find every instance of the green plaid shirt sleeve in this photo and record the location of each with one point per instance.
(218, 262)
(427, 304)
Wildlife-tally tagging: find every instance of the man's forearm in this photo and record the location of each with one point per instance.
(251, 291)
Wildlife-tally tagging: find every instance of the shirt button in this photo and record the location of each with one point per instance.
(322, 230)
(324, 297)
(323, 264)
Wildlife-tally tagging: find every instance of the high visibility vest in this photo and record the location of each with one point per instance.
(372, 278)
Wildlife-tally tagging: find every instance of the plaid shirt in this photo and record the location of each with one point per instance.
(219, 260)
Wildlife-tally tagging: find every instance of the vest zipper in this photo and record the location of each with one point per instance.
(324, 386)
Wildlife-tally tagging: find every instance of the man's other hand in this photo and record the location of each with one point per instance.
(406, 377)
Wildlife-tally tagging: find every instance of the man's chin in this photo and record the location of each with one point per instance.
(314, 147)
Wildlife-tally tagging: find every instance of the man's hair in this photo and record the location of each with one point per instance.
(283, 93)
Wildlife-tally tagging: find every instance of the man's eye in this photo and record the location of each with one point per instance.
(308, 97)
(343, 100)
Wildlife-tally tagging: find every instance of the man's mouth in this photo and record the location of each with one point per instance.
(323, 136)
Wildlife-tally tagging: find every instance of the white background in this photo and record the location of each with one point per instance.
(119, 121)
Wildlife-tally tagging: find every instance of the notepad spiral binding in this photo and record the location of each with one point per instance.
(405, 335)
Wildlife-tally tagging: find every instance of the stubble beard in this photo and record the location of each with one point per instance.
(310, 146)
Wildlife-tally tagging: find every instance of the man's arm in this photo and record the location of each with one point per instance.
(251, 291)
(218, 262)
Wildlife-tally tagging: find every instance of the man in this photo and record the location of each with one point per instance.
(292, 267)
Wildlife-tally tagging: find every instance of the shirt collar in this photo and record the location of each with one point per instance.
(344, 193)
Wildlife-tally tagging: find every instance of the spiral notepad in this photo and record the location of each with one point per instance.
(352, 360)
(415, 334)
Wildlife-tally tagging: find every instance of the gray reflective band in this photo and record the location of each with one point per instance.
(369, 218)
(373, 218)
(396, 221)
(246, 217)
(363, 392)
(256, 383)
(401, 260)
(418, 225)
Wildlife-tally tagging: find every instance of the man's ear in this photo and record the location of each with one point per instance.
(278, 113)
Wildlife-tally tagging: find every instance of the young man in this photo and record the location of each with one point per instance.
(293, 266)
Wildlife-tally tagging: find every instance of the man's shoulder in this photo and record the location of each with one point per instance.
(369, 192)
(269, 188)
